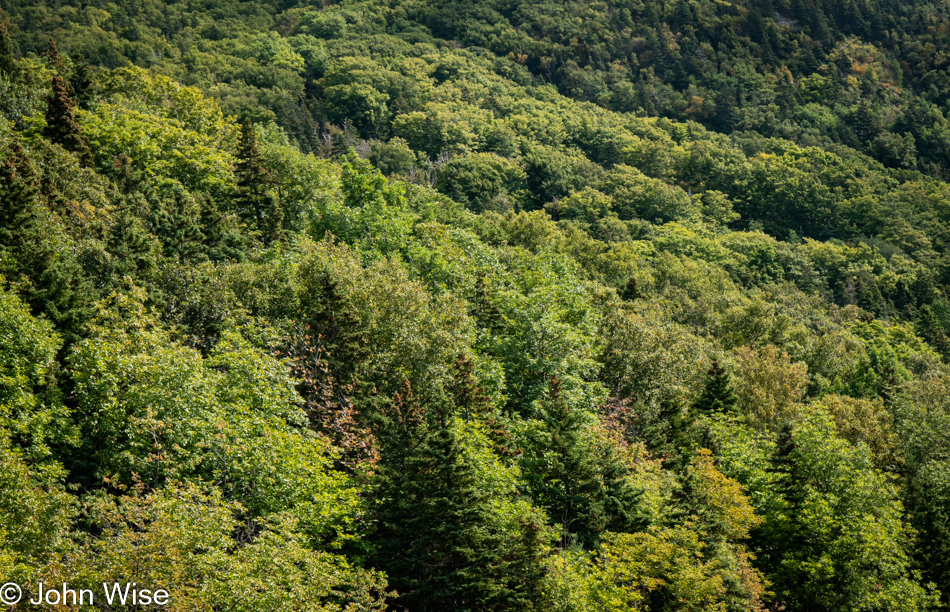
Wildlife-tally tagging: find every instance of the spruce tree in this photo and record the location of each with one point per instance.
(130, 244)
(930, 329)
(224, 240)
(718, 394)
(55, 283)
(61, 125)
(82, 85)
(333, 320)
(465, 390)
(18, 192)
(436, 536)
(256, 203)
(584, 491)
(54, 59)
(175, 220)
(631, 290)
(485, 312)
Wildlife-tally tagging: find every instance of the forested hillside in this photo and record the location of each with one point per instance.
(477, 305)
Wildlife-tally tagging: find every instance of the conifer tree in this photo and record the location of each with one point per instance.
(485, 312)
(57, 286)
(175, 221)
(18, 192)
(61, 125)
(631, 290)
(131, 245)
(929, 327)
(718, 394)
(465, 390)
(54, 59)
(582, 491)
(223, 238)
(256, 203)
(334, 322)
(435, 537)
(82, 85)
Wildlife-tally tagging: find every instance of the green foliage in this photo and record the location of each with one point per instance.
(452, 534)
(718, 394)
(582, 487)
(255, 202)
(483, 181)
(518, 211)
(181, 538)
(838, 542)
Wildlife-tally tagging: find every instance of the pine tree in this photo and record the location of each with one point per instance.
(930, 329)
(327, 402)
(256, 203)
(175, 220)
(224, 240)
(435, 538)
(55, 284)
(677, 442)
(584, 492)
(718, 394)
(132, 247)
(631, 290)
(465, 390)
(54, 59)
(18, 193)
(485, 312)
(82, 85)
(61, 125)
(334, 322)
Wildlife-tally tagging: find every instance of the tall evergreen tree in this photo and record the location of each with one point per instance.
(61, 125)
(437, 538)
(54, 59)
(333, 320)
(930, 329)
(224, 240)
(255, 200)
(54, 283)
(175, 220)
(129, 243)
(583, 490)
(718, 394)
(82, 85)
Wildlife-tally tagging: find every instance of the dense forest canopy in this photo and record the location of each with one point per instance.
(477, 305)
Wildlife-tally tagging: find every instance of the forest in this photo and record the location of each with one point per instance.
(476, 305)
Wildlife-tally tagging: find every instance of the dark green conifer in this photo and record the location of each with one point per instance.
(175, 220)
(485, 312)
(631, 290)
(334, 322)
(435, 538)
(930, 329)
(61, 125)
(582, 490)
(54, 60)
(18, 192)
(53, 282)
(718, 394)
(224, 240)
(82, 85)
(256, 203)
(131, 245)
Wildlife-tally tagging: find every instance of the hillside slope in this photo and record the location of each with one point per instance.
(476, 306)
